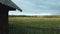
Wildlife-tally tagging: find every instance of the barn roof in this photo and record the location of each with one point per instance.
(10, 4)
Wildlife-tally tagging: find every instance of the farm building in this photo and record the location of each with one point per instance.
(5, 6)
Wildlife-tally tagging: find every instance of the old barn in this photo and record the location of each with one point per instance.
(5, 7)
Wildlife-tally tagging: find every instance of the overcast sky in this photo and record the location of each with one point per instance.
(37, 7)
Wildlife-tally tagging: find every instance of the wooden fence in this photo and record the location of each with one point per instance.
(32, 30)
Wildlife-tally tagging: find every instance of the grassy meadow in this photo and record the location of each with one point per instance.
(17, 23)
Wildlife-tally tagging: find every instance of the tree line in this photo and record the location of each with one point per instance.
(51, 16)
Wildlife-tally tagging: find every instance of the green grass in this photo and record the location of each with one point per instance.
(18, 23)
(42, 22)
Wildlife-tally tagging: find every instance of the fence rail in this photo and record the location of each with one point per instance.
(41, 30)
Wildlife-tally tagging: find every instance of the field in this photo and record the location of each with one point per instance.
(17, 24)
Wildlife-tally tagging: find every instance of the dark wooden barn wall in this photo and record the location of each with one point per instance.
(4, 18)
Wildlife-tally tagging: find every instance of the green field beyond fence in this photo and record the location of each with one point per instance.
(34, 25)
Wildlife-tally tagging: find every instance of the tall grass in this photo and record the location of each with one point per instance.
(17, 25)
